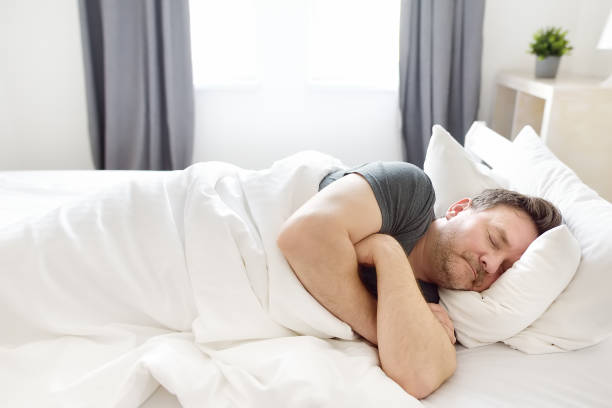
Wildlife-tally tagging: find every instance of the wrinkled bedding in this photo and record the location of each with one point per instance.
(175, 280)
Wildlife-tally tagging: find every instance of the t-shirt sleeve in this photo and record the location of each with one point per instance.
(404, 194)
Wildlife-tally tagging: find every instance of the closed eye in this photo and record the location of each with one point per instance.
(491, 241)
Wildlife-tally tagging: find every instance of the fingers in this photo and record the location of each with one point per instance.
(436, 307)
(450, 330)
(364, 250)
(451, 333)
(377, 246)
(443, 318)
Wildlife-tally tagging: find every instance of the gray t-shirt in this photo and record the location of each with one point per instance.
(406, 197)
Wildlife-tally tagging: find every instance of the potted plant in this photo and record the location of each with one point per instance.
(549, 44)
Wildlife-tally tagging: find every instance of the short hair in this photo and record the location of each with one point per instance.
(542, 212)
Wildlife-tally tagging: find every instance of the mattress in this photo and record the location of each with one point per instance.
(493, 375)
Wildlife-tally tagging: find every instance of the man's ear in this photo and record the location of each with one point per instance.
(457, 207)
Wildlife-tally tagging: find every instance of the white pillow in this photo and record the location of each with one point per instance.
(487, 144)
(580, 316)
(453, 173)
(519, 296)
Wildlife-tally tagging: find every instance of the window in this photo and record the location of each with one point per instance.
(354, 43)
(223, 42)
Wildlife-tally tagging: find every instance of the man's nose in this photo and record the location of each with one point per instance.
(491, 262)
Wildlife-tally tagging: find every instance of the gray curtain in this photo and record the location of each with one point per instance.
(139, 83)
(440, 57)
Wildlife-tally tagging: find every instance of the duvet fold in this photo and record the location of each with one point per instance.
(177, 281)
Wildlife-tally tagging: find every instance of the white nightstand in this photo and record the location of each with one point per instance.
(573, 115)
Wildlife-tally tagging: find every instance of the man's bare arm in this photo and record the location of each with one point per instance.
(414, 348)
(318, 242)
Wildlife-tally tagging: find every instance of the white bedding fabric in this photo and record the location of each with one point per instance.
(175, 279)
(493, 375)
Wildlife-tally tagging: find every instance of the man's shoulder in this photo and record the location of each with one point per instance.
(397, 171)
(391, 172)
(401, 178)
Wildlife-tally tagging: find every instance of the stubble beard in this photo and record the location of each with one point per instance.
(444, 253)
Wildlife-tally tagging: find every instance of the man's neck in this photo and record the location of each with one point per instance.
(418, 257)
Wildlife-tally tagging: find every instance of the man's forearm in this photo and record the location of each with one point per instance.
(331, 276)
(414, 348)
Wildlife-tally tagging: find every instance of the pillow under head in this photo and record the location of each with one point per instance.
(525, 291)
(580, 316)
(519, 296)
(453, 172)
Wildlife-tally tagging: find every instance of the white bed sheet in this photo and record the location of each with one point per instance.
(493, 375)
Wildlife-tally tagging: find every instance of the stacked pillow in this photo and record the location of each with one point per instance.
(580, 316)
(454, 173)
(509, 310)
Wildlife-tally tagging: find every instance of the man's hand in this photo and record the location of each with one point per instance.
(369, 248)
(442, 316)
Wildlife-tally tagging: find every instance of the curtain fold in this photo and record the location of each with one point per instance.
(137, 57)
(440, 58)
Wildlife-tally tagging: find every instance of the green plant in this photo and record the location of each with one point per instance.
(550, 42)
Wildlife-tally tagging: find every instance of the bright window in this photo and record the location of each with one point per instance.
(354, 43)
(223, 42)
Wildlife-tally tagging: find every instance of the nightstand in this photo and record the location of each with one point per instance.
(572, 115)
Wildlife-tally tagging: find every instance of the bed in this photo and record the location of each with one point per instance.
(491, 375)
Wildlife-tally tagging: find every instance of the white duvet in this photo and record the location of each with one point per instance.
(176, 281)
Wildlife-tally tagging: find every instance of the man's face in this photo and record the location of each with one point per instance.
(475, 247)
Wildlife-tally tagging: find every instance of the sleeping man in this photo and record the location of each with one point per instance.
(381, 215)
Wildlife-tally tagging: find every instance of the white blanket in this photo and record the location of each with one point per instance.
(176, 281)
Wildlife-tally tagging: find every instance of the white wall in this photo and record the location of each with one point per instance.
(508, 29)
(43, 117)
(254, 128)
